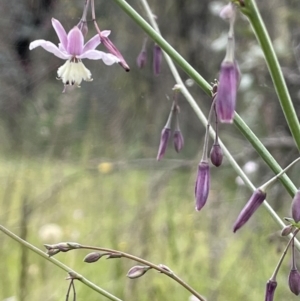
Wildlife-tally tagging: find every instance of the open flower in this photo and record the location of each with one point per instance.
(73, 49)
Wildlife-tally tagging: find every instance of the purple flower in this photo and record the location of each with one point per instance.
(178, 140)
(216, 155)
(157, 58)
(255, 201)
(72, 49)
(294, 281)
(202, 185)
(227, 90)
(164, 138)
(296, 207)
(270, 290)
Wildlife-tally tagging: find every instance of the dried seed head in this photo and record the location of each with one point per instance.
(137, 271)
(216, 155)
(202, 185)
(254, 202)
(92, 257)
(296, 207)
(294, 281)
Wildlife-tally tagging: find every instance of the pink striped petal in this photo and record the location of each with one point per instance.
(61, 33)
(75, 42)
(50, 47)
(107, 58)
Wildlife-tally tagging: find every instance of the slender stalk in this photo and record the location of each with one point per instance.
(170, 52)
(59, 264)
(203, 119)
(147, 263)
(259, 28)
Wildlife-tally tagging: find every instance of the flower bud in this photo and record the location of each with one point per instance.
(157, 58)
(255, 201)
(216, 155)
(202, 185)
(137, 271)
(164, 267)
(296, 207)
(227, 12)
(92, 257)
(287, 230)
(178, 140)
(270, 290)
(294, 281)
(142, 59)
(227, 90)
(164, 138)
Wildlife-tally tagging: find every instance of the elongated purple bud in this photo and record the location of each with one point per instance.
(157, 59)
(164, 138)
(296, 207)
(216, 155)
(202, 185)
(142, 59)
(227, 90)
(294, 281)
(270, 290)
(178, 140)
(255, 201)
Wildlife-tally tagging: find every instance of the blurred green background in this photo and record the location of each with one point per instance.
(81, 166)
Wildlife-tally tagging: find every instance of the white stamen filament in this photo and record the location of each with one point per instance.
(73, 71)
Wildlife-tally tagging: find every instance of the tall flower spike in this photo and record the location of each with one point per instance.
(229, 74)
(202, 185)
(72, 49)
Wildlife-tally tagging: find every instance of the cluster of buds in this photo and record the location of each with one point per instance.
(166, 131)
(157, 58)
(61, 247)
(72, 48)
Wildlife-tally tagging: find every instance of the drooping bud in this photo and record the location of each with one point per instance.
(164, 267)
(202, 184)
(216, 155)
(157, 59)
(294, 281)
(92, 257)
(227, 12)
(296, 207)
(82, 25)
(270, 290)
(287, 230)
(178, 140)
(164, 138)
(227, 91)
(254, 202)
(137, 271)
(142, 57)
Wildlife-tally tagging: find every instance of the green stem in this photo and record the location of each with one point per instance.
(59, 264)
(252, 12)
(169, 53)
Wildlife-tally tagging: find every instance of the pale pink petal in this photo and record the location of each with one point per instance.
(92, 43)
(107, 58)
(61, 33)
(75, 41)
(50, 47)
(106, 33)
